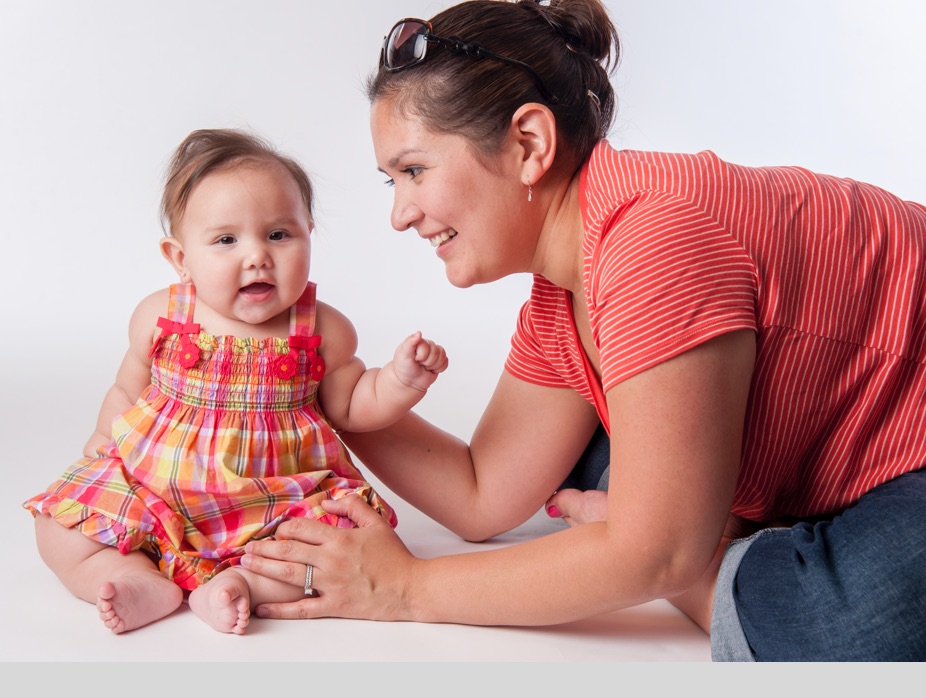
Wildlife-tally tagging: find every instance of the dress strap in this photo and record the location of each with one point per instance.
(179, 319)
(302, 314)
(301, 334)
(182, 302)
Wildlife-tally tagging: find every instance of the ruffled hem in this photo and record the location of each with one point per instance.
(99, 527)
(186, 567)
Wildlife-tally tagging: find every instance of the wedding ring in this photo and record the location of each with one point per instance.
(309, 571)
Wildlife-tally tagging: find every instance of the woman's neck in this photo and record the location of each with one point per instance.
(559, 257)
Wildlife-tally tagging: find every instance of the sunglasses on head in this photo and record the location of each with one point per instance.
(406, 45)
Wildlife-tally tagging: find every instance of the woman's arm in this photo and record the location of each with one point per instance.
(523, 447)
(676, 440)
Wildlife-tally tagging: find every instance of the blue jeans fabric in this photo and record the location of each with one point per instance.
(848, 588)
(851, 587)
(592, 469)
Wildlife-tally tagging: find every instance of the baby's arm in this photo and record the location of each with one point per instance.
(134, 372)
(356, 398)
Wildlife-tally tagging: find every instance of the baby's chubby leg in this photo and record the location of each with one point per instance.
(128, 590)
(225, 601)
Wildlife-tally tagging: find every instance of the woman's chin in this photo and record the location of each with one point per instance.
(458, 279)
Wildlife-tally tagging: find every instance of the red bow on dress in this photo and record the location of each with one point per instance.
(285, 365)
(190, 354)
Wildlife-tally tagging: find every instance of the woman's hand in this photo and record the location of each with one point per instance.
(358, 572)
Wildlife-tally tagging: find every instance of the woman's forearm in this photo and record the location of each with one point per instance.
(523, 447)
(425, 466)
(517, 585)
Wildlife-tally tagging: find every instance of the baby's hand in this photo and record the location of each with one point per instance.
(418, 360)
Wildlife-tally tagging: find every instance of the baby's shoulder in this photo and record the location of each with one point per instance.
(143, 324)
(336, 330)
(152, 306)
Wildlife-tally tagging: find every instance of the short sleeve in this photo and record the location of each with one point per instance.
(663, 278)
(544, 347)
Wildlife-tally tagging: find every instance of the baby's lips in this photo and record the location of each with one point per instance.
(256, 288)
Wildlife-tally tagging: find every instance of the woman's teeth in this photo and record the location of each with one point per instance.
(443, 237)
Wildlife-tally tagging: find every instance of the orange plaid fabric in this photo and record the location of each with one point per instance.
(227, 442)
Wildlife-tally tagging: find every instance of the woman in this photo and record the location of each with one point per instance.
(752, 338)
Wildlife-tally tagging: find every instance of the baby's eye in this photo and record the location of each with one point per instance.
(278, 235)
(226, 240)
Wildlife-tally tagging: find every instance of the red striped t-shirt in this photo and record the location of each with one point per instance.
(831, 275)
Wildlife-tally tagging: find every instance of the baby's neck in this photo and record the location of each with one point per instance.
(218, 325)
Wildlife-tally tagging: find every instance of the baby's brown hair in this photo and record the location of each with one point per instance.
(211, 150)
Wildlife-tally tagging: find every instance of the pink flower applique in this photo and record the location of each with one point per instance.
(189, 352)
(310, 344)
(285, 365)
(316, 366)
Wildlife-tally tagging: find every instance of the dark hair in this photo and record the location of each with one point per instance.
(211, 150)
(572, 44)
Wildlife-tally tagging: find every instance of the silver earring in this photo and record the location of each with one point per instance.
(530, 193)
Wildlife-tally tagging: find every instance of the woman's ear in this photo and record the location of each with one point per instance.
(173, 253)
(533, 128)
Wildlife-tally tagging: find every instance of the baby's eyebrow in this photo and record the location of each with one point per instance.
(220, 228)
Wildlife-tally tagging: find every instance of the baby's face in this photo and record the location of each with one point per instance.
(244, 242)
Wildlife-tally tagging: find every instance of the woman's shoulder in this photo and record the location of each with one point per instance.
(646, 168)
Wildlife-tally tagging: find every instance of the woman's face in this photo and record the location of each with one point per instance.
(467, 212)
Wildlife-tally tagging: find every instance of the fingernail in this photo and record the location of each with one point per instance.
(261, 612)
(245, 560)
(554, 512)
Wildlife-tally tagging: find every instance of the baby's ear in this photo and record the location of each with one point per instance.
(173, 253)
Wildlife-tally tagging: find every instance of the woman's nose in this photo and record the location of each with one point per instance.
(404, 213)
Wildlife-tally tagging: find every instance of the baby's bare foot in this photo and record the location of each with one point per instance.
(224, 602)
(134, 600)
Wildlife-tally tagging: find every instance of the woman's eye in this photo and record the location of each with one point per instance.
(412, 172)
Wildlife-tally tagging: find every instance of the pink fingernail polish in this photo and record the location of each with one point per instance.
(554, 512)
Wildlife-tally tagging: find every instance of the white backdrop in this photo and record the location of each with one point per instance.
(95, 95)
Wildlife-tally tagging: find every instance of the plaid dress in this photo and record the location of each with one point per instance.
(227, 442)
